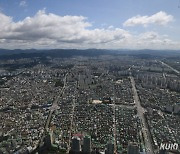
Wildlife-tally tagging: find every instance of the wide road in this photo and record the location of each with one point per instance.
(55, 103)
(114, 128)
(71, 124)
(140, 112)
(176, 71)
(53, 108)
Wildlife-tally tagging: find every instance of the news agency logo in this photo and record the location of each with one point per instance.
(169, 146)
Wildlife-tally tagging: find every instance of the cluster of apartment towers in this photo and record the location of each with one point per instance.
(83, 146)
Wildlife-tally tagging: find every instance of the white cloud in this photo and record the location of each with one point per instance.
(64, 29)
(23, 3)
(155, 41)
(5, 20)
(47, 30)
(160, 18)
(149, 36)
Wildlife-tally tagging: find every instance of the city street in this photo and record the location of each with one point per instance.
(140, 111)
(176, 71)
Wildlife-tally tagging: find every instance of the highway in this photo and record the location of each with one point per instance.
(52, 109)
(71, 125)
(140, 112)
(55, 103)
(176, 71)
(114, 128)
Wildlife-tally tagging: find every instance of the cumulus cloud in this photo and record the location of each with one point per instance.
(48, 30)
(155, 41)
(5, 20)
(69, 29)
(160, 18)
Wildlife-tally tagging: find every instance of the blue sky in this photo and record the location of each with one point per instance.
(92, 24)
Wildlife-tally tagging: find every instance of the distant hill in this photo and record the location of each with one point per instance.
(65, 53)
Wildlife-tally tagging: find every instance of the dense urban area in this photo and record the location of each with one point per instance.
(84, 103)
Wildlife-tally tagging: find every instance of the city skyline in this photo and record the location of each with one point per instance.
(95, 101)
